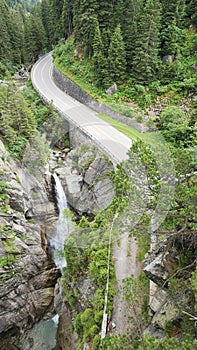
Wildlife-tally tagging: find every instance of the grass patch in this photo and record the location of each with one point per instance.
(124, 128)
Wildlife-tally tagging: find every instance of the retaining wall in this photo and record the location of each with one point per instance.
(69, 87)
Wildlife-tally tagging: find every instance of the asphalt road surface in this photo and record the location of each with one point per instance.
(111, 141)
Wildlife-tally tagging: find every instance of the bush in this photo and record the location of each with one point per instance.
(171, 116)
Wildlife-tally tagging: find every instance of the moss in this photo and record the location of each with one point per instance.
(3, 186)
(7, 261)
(88, 162)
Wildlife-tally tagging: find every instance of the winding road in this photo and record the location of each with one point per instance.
(112, 142)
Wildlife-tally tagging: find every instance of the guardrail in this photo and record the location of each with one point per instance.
(47, 101)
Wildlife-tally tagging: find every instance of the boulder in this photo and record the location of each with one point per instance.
(112, 89)
(168, 59)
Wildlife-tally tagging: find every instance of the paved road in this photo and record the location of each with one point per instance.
(111, 141)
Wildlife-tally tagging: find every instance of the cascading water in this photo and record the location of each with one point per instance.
(62, 227)
(42, 336)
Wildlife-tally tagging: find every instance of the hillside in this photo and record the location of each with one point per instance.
(140, 59)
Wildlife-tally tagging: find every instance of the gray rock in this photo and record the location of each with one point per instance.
(158, 297)
(168, 59)
(167, 312)
(28, 276)
(195, 68)
(86, 181)
(155, 270)
(112, 89)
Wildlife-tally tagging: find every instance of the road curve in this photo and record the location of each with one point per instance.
(110, 141)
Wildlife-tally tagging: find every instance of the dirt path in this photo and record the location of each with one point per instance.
(125, 254)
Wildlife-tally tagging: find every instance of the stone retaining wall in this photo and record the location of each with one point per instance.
(68, 86)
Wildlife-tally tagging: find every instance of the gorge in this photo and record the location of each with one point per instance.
(122, 147)
(31, 221)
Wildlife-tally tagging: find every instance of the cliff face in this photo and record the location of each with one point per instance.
(85, 178)
(27, 219)
(28, 276)
(169, 266)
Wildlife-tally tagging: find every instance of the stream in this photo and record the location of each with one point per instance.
(42, 336)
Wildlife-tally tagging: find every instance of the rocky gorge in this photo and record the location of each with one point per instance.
(28, 216)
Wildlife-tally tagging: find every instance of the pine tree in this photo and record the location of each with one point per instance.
(106, 15)
(10, 35)
(97, 41)
(56, 7)
(117, 57)
(99, 60)
(106, 38)
(145, 61)
(17, 37)
(47, 21)
(84, 14)
(173, 10)
(67, 18)
(127, 15)
(173, 13)
(191, 11)
(35, 38)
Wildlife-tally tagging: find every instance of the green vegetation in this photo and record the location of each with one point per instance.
(8, 261)
(86, 252)
(103, 53)
(125, 129)
(18, 122)
(148, 48)
(24, 120)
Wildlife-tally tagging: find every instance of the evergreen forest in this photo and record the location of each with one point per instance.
(148, 50)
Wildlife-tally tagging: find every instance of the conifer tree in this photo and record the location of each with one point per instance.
(191, 11)
(127, 14)
(173, 13)
(35, 39)
(106, 38)
(106, 15)
(67, 18)
(99, 60)
(84, 14)
(47, 21)
(10, 35)
(56, 7)
(17, 37)
(117, 57)
(173, 10)
(145, 61)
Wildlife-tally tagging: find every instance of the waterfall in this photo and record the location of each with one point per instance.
(60, 195)
(62, 227)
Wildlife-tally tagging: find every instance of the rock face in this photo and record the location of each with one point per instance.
(28, 276)
(161, 265)
(85, 178)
